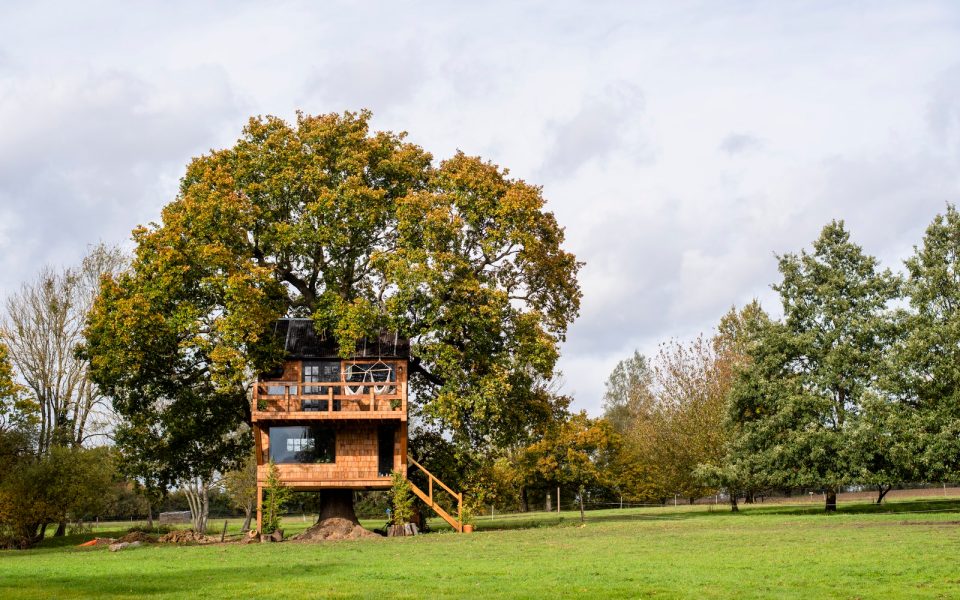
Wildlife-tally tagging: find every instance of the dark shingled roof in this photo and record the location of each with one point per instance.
(301, 341)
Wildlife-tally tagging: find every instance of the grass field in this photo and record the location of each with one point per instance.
(904, 549)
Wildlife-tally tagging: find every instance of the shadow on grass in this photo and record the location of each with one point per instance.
(172, 582)
(521, 521)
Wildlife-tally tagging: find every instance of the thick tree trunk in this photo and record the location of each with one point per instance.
(524, 507)
(549, 504)
(733, 502)
(748, 498)
(882, 491)
(61, 529)
(149, 517)
(831, 502)
(337, 504)
(337, 519)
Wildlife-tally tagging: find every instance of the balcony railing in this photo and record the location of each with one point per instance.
(283, 397)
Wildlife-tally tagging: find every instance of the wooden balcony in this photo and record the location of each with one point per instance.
(340, 400)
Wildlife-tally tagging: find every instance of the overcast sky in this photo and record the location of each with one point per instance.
(681, 144)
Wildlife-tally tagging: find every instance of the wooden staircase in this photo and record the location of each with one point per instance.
(427, 496)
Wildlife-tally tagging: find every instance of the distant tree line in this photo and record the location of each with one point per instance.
(856, 384)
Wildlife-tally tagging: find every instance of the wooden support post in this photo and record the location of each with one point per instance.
(286, 394)
(259, 509)
(257, 441)
(558, 499)
(330, 399)
(373, 400)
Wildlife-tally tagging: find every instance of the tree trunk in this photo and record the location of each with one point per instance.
(548, 502)
(524, 506)
(733, 502)
(581, 504)
(337, 504)
(61, 529)
(882, 491)
(149, 517)
(337, 519)
(748, 498)
(198, 498)
(248, 516)
(831, 502)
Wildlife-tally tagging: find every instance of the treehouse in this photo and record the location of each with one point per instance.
(334, 423)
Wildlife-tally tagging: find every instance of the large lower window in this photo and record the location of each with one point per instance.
(303, 444)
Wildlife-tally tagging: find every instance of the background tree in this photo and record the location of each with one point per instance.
(628, 390)
(675, 411)
(575, 454)
(360, 231)
(17, 412)
(241, 486)
(926, 365)
(799, 398)
(736, 468)
(42, 329)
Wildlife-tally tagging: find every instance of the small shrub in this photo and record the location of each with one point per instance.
(401, 498)
(275, 495)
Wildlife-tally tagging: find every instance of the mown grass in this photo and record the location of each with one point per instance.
(899, 550)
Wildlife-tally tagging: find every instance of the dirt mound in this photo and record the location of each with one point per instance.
(334, 528)
(98, 542)
(185, 536)
(138, 536)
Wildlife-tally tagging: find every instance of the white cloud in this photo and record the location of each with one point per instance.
(681, 144)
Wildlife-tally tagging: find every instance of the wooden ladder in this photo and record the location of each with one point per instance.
(427, 497)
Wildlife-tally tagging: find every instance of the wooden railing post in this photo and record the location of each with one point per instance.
(330, 399)
(286, 396)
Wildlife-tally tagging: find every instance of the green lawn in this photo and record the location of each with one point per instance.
(902, 550)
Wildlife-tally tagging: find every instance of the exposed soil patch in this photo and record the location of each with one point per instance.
(931, 523)
(186, 536)
(138, 536)
(334, 528)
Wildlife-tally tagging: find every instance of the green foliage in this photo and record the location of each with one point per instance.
(735, 468)
(63, 485)
(275, 497)
(360, 230)
(241, 485)
(926, 365)
(797, 401)
(17, 412)
(627, 392)
(575, 452)
(401, 499)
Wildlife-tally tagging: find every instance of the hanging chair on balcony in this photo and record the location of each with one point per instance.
(369, 373)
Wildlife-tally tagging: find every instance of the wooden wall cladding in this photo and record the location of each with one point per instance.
(356, 463)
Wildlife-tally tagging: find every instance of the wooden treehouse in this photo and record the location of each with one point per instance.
(330, 423)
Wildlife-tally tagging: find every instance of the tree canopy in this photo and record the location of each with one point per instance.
(361, 231)
(810, 376)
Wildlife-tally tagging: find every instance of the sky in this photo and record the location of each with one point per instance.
(682, 145)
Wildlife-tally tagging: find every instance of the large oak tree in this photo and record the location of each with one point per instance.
(360, 230)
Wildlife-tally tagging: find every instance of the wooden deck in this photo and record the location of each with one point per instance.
(377, 400)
